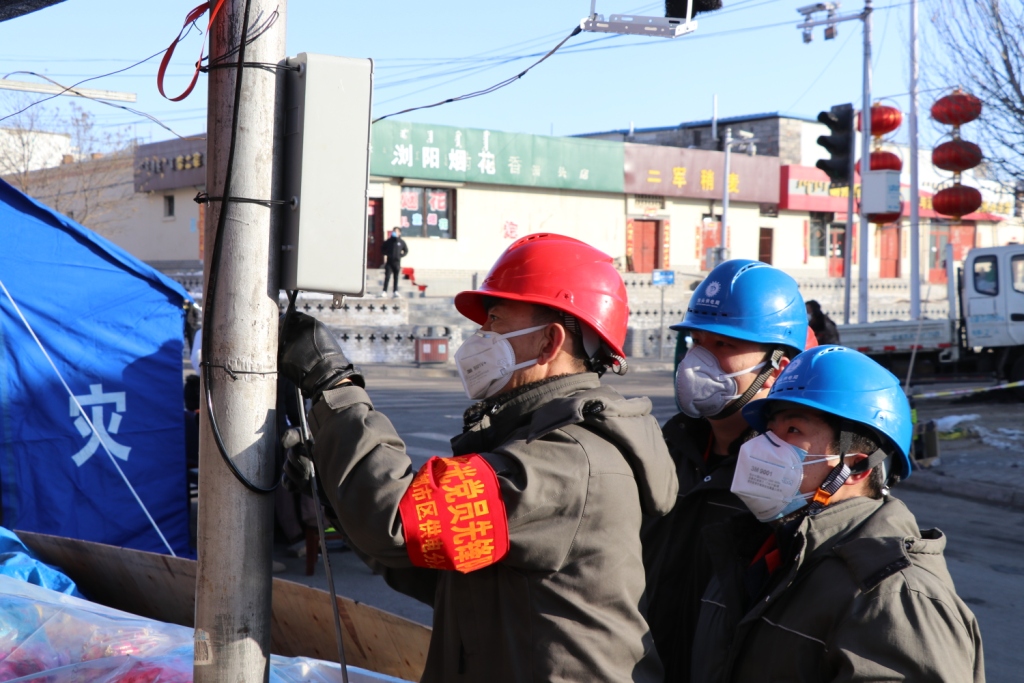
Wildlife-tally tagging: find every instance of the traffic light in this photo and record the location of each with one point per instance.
(840, 121)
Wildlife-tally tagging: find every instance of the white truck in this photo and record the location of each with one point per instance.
(984, 332)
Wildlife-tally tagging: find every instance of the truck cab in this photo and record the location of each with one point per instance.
(992, 292)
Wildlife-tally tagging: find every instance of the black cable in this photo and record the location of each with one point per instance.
(86, 80)
(211, 288)
(486, 91)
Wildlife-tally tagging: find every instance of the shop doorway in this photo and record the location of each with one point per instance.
(766, 245)
(889, 251)
(938, 238)
(836, 244)
(646, 246)
(374, 233)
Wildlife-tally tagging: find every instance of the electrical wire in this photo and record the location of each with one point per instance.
(85, 80)
(71, 89)
(823, 71)
(486, 91)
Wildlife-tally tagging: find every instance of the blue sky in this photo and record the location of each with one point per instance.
(427, 52)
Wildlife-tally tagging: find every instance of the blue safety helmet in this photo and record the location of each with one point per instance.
(849, 385)
(749, 300)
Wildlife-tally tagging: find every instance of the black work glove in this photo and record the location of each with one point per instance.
(298, 467)
(309, 355)
(299, 472)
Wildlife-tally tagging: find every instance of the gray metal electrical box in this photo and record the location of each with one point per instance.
(327, 167)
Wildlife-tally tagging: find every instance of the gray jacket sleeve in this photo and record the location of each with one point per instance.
(365, 472)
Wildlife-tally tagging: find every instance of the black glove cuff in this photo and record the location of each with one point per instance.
(329, 378)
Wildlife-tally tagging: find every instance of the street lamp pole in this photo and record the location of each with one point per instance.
(722, 252)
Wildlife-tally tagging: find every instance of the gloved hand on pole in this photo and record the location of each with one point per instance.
(310, 356)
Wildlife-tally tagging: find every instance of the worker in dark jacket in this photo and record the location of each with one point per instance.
(746, 319)
(394, 250)
(841, 584)
(825, 330)
(526, 540)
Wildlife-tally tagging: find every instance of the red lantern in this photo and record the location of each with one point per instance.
(956, 155)
(957, 108)
(956, 201)
(884, 119)
(885, 161)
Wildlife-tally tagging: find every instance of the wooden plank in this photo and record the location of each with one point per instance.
(163, 588)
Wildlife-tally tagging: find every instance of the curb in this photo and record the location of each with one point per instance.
(978, 491)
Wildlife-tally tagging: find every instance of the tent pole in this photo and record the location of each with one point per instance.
(235, 530)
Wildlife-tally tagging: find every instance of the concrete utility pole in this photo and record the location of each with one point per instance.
(233, 583)
(915, 200)
(865, 167)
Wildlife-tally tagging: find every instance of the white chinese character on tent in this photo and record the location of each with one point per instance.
(515, 165)
(431, 157)
(403, 156)
(585, 174)
(562, 173)
(97, 399)
(487, 164)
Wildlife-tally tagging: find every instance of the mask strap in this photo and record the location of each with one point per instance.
(833, 482)
(759, 381)
(518, 333)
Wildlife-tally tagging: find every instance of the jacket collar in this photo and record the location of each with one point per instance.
(498, 416)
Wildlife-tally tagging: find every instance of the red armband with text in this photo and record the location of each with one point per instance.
(453, 515)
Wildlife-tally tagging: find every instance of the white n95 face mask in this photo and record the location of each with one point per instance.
(487, 360)
(768, 475)
(702, 388)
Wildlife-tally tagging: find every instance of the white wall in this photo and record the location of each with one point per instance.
(483, 211)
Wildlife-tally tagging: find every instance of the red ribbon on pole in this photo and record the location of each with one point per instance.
(192, 16)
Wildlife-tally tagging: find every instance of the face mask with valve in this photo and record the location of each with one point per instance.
(703, 389)
(487, 360)
(768, 475)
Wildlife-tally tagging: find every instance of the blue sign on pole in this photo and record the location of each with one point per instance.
(661, 278)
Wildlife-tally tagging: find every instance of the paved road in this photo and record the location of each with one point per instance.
(985, 550)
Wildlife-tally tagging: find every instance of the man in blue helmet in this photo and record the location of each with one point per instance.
(746, 320)
(840, 584)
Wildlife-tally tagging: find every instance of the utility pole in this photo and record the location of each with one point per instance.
(830, 22)
(915, 201)
(722, 252)
(233, 582)
(865, 167)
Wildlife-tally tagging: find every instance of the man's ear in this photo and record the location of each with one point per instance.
(554, 338)
(783, 362)
(856, 477)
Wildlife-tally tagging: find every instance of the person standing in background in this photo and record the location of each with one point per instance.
(394, 249)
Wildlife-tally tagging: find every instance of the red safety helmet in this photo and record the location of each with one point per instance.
(560, 272)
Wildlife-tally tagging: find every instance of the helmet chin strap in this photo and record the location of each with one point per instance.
(841, 472)
(771, 364)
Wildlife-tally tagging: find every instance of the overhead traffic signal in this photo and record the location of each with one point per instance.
(839, 144)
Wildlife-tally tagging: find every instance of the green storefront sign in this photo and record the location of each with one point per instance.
(471, 155)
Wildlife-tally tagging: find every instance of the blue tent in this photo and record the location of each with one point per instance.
(87, 328)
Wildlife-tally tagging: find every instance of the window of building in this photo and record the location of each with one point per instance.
(985, 275)
(1017, 270)
(428, 212)
(818, 233)
(169, 206)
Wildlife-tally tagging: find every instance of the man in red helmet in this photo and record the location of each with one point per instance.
(526, 541)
